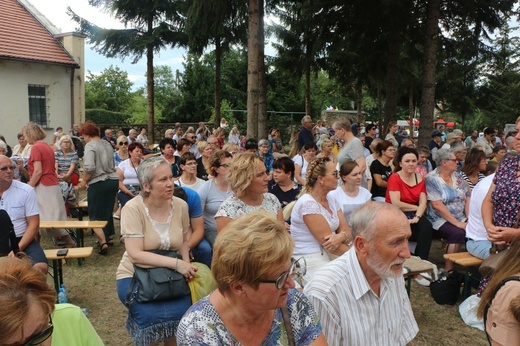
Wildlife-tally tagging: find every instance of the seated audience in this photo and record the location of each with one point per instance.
(301, 162)
(360, 297)
(253, 268)
(206, 150)
(129, 185)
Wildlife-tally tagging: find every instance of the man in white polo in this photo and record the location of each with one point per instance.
(361, 297)
(19, 201)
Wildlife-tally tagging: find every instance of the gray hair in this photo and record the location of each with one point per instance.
(263, 142)
(423, 149)
(441, 155)
(64, 137)
(342, 123)
(306, 119)
(3, 145)
(132, 131)
(510, 139)
(374, 143)
(364, 221)
(325, 141)
(146, 171)
(457, 147)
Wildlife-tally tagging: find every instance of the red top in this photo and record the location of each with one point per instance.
(409, 194)
(42, 152)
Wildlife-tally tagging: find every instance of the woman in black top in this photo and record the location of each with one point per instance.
(381, 169)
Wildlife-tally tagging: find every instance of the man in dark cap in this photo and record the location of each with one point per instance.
(434, 145)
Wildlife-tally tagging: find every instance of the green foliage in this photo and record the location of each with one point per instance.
(103, 116)
(110, 90)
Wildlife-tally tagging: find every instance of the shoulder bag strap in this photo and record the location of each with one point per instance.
(502, 283)
(288, 326)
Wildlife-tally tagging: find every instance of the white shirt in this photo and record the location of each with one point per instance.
(19, 201)
(475, 229)
(129, 172)
(304, 241)
(349, 204)
(352, 314)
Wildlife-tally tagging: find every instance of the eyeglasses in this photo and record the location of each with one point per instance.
(193, 137)
(40, 337)
(225, 165)
(296, 270)
(335, 173)
(123, 143)
(12, 168)
(454, 160)
(423, 157)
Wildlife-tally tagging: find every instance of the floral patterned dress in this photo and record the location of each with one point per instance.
(506, 197)
(233, 207)
(201, 325)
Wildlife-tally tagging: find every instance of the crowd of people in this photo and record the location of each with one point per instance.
(333, 220)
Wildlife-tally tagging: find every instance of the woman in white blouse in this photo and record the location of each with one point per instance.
(317, 221)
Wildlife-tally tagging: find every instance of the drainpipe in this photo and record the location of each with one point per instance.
(72, 70)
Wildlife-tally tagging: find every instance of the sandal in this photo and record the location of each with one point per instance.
(103, 248)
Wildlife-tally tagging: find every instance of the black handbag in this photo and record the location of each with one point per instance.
(156, 284)
(8, 240)
(446, 290)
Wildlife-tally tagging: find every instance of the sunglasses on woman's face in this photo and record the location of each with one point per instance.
(123, 143)
(39, 337)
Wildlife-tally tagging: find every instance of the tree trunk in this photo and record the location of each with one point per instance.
(150, 85)
(218, 66)
(392, 65)
(410, 103)
(262, 84)
(253, 70)
(359, 93)
(308, 90)
(428, 74)
(380, 108)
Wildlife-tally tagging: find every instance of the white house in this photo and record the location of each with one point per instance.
(41, 72)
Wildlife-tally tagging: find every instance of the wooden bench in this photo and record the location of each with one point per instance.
(57, 261)
(466, 260)
(75, 228)
(81, 206)
(415, 266)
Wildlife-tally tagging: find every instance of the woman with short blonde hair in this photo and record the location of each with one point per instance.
(248, 180)
(255, 275)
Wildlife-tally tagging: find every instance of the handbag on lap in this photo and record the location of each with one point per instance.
(8, 240)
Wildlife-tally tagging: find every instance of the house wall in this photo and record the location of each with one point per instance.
(15, 76)
(75, 45)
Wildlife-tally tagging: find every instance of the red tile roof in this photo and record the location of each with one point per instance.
(23, 37)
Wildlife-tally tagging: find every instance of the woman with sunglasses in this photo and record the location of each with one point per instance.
(121, 153)
(28, 315)
(317, 221)
(255, 275)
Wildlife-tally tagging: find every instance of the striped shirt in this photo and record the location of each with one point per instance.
(352, 314)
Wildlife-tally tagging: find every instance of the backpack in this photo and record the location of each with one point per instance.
(8, 240)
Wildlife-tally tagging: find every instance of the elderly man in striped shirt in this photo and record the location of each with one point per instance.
(360, 297)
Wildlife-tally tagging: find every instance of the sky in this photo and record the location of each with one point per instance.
(56, 12)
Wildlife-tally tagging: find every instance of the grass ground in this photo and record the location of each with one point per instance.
(93, 286)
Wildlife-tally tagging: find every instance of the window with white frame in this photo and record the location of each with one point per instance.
(38, 104)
